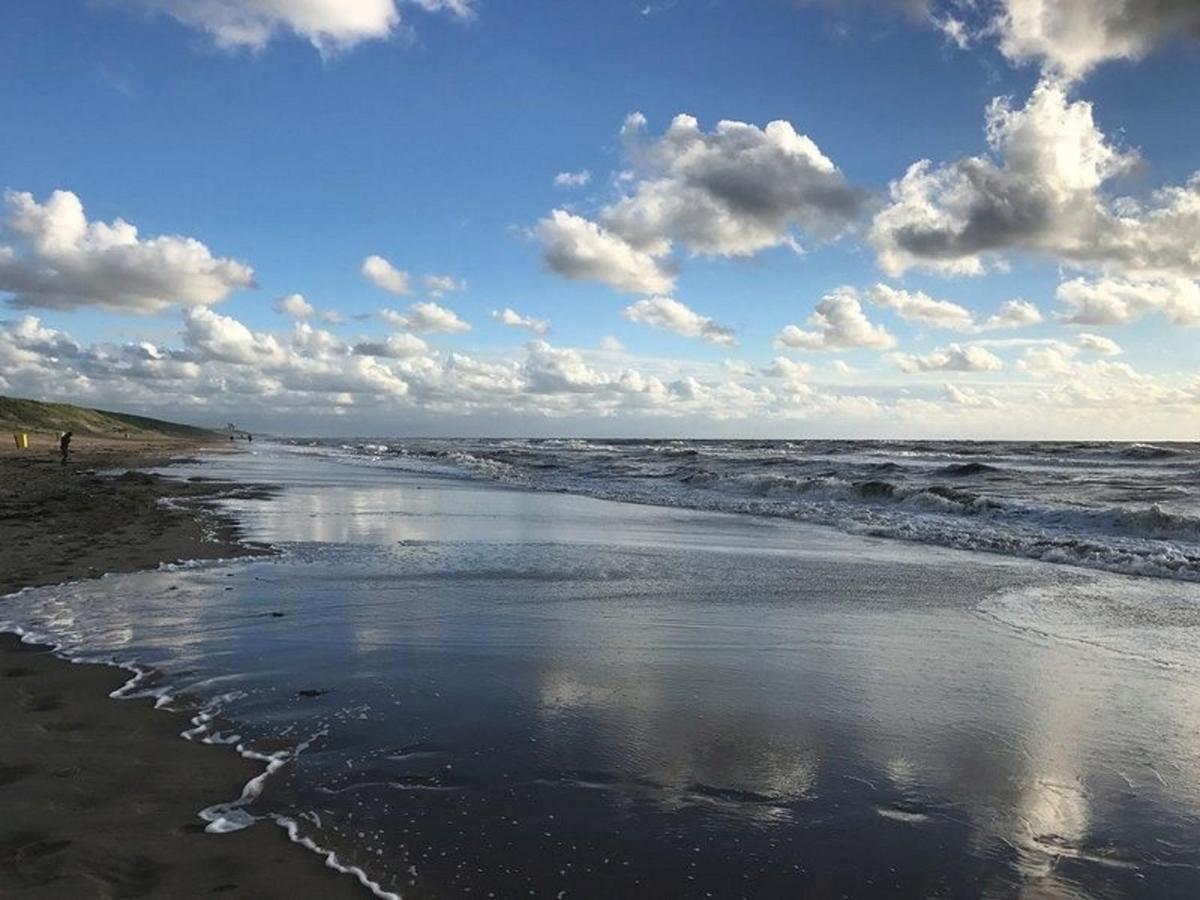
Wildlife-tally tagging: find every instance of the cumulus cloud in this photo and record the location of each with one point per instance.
(514, 319)
(394, 346)
(610, 344)
(916, 306)
(579, 249)
(788, 369)
(1057, 361)
(60, 260)
(838, 322)
(1117, 301)
(224, 339)
(461, 9)
(1042, 192)
(1053, 359)
(387, 277)
(1013, 314)
(426, 317)
(440, 285)
(1042, 196)
(1097, 343)
(670, 314)
(1072, 36)
(572, 179)
(224, 370)
(960, 395)
(1066, 37)
(954, 358)
(331, 26)
(294, 305)
(733, 191)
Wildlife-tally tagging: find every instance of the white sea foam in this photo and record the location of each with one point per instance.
(331, 859)
(225, 817)
(1149, 621)
(1126, 508)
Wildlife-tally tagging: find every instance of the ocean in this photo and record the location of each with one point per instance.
(693, 669)
(1130, 508)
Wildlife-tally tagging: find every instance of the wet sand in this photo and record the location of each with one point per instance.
(100, 797)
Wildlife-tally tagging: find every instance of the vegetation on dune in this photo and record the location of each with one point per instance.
(34, 416)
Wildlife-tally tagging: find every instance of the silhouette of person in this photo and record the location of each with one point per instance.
(64, 444)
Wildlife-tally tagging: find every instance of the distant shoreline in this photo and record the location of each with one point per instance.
(101, 798)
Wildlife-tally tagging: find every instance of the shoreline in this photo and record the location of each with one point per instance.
(104, 799)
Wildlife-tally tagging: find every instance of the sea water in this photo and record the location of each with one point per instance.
(464, 686)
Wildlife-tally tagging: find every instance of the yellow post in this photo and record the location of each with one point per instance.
(22, 440)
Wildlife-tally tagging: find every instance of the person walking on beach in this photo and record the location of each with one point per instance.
(64, 444)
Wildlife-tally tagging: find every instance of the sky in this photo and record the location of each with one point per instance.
(665, 218)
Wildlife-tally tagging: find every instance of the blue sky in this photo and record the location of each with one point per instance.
(430, 133)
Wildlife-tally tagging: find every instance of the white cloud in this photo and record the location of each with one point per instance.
(1072, 36)
(838, 322)
(514, 319)
(331, 26)
(384, 275)
(610, 344)
(788, 369)
(1097, 343)
(576, 248)
(224, 370)
(1044, 195)
(387, 277)
(294, 305)
(841, 367)
(394, 346)
(1118, 301)
(225, 339)
(960, 395)
(63, 261)
(1095, 383)
(1013, 314)
(461, 9)
(440, 285)
(1058, 361)
(916, 306)
(954, 358)
(1067, 37)
(426, 317)
(572, 179)
(665, 312)
(553, 370)
(315, 342)
(734, 191)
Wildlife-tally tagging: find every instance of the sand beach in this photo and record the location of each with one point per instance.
(100, 797)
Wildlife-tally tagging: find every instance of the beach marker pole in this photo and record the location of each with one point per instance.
(22, 440)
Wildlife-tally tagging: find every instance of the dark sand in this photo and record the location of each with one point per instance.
(100, 797)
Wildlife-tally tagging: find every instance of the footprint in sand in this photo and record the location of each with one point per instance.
(40, 703)
(117, 876)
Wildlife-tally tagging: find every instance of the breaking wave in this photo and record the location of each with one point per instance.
(1131, 508)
